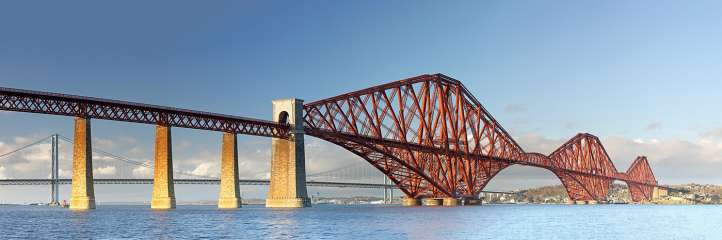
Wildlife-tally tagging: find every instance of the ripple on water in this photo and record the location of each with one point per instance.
(619, 222)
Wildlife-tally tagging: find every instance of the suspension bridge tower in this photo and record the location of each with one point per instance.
(54, 170)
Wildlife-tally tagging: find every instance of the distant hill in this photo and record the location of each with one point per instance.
(619, 193)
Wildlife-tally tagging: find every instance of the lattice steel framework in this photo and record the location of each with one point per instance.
(432, 138)
(69, 105)
(592, 169)
(640, 170)
(428, 134)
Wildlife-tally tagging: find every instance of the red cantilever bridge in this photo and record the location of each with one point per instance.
(428, 134)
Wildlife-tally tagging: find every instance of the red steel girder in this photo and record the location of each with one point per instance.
(429, 134)
(640, 170)
(444, 142)
(430, 123)
(69, 105)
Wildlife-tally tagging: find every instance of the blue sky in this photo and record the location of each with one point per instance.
(643, 75)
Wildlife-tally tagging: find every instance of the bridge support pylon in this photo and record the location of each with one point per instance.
(472, 201)
(230, 194)
(83, 195)
(410, 202)
(432, 202)
(451, 202)
(658, 193)
(163, 192)
(288, 164)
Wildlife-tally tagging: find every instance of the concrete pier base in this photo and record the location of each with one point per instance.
(288, 203)
(592, 202)
(288, 163)
(472, 201)
(451, 202)
(431, 202)
(83, 195)
(229, 203)
(230, 193)
(410, 202)
(658, 193)
(163, 192)
(580, 202)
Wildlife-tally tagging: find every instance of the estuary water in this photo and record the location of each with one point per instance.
(616, 222)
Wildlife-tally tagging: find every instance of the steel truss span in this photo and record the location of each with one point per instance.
(69, 105)
(433, 138)
(428, 134)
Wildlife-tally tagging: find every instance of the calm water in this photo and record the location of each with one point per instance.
(367, 222)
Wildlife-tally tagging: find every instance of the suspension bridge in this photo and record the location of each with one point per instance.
(427, 134)
(124, 171)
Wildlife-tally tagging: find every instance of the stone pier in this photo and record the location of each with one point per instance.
(410, 202)
(472, 201)
(230, 194)
(163, 193)
(450, 202)
(288, 169)
(83, 195)
(658, 193)
(431, 202)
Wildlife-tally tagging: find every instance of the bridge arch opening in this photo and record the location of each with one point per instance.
(619, 192)
(283, 117)
(327, 161)
(535, 185)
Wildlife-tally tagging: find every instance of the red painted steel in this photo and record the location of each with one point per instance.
(69, 105)
(428, 134)
(432, 138)
(640, 170)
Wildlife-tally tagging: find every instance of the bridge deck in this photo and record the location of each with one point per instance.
(19, 100)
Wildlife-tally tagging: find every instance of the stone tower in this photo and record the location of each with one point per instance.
(288, 164)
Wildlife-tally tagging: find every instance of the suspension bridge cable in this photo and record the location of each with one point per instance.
(25, 147)
(336, 170)
(133, 162)
(110, 154)
(352, 166)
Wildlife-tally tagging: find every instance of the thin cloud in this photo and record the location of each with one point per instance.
(712, 134)
(673, 160)
(511, 108)
(653, 126)
(142, 172)
(104, 171)
(104, 143)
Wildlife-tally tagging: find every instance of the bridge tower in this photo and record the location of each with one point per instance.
(83, 195)
(288, 164)
(163, 190)
(54, 170)
(230, 193)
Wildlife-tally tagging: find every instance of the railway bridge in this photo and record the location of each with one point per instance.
(428, 134)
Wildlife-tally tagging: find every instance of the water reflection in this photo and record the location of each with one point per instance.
(427, 223)
(619, 222)
(79, 223)
(283, 224)
(161, 223)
